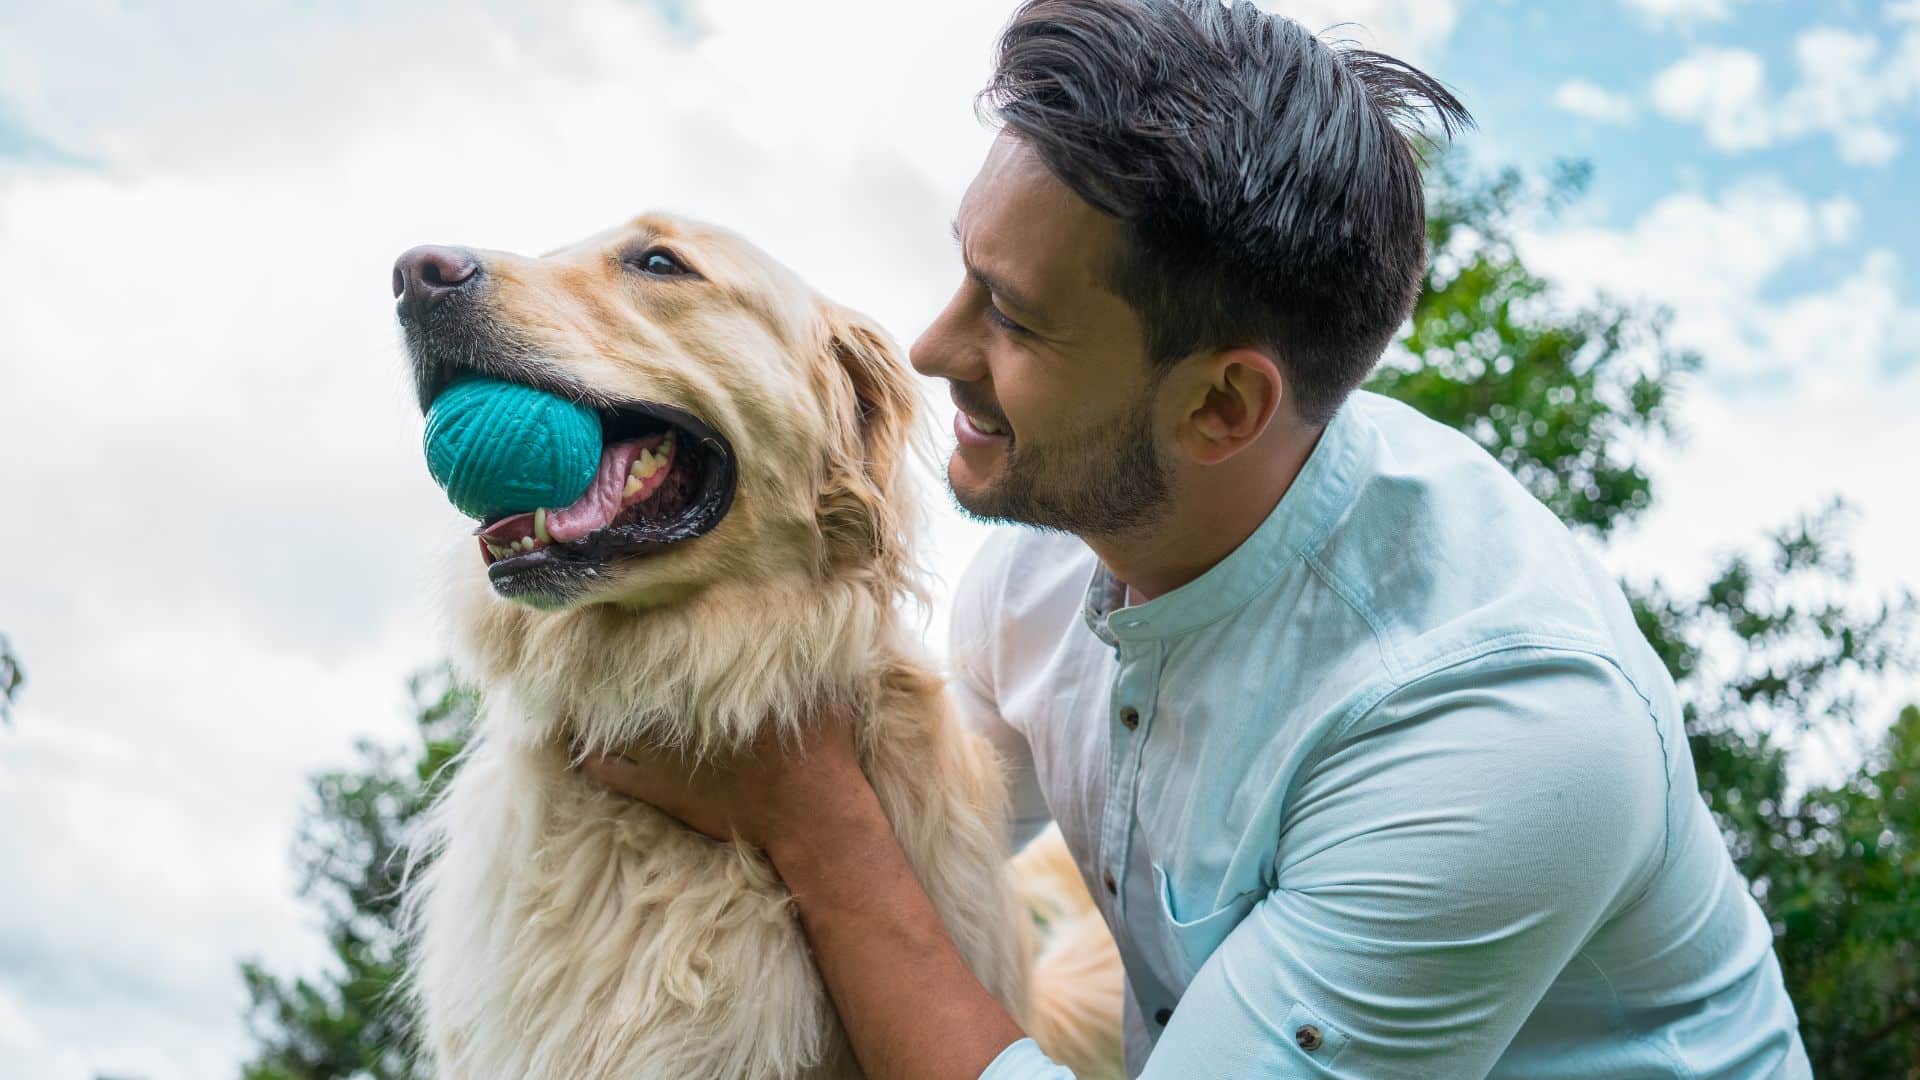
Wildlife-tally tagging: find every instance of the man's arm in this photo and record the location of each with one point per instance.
(907, 999)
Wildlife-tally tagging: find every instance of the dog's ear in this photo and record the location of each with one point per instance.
(863, 507)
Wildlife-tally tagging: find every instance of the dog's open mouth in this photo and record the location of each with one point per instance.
(664, 477)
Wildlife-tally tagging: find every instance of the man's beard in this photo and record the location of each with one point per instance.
(1102, 479)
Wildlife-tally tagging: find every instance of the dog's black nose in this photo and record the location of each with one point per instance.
(424, 274)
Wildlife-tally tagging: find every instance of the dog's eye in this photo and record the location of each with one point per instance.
(660, 263)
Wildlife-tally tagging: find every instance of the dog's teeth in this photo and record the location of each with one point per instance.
(633, 485)
(540, 526)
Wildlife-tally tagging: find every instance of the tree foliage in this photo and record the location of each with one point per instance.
(1766, 654)
(349, 1021)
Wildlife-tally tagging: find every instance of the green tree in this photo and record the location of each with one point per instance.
(349, 1021)
(1845, 871)
(1763, 654)
(1833, 866)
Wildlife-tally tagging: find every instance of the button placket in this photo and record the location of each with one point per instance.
(1133, 693)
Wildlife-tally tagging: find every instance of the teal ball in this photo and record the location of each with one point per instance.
(502, 448)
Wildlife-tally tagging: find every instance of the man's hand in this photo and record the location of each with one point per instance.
(763, 795)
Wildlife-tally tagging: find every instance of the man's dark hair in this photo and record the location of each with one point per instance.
(1267, 193)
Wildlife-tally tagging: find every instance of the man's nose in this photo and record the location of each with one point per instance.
(942, 351)
(424, 275)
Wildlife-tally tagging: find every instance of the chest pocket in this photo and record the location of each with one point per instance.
(1189, 941)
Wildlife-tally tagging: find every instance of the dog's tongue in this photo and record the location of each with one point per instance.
(590, 512)
(595, 510)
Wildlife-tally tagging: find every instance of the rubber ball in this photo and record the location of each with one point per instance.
(501, 448)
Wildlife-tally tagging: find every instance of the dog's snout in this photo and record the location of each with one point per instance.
(426, 273)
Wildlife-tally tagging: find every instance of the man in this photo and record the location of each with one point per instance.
(1361, 754)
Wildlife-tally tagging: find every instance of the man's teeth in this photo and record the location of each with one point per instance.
(987, 427)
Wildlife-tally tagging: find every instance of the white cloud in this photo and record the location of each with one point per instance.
(1845, 88)
(1839, 217)
(1721, 89)
(1595, 102)
(1409, 29)
(1682, 12)
(1716, 261)
(1707, 258)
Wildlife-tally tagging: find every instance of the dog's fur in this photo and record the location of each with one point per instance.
(562, 931)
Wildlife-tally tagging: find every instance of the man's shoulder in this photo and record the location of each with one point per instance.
(1446, 555)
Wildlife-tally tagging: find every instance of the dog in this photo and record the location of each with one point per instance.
(743, 554)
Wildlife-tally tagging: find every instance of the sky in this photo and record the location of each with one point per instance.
(204, 411)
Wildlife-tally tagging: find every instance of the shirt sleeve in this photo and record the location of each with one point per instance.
(973, 632)
(1024, 1061)
(1444, 862)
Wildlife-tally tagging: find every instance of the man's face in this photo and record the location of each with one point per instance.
(1047, 367)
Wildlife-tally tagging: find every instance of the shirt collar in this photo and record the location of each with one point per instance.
(1322, 489)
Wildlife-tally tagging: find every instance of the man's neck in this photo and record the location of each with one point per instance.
(1213, 511)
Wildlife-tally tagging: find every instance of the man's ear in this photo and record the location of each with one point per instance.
(861, 507)
(1226, 400)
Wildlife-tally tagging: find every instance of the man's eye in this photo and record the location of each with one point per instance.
(999, 318)
(660, 263)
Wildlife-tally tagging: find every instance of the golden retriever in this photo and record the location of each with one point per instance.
(743, 553)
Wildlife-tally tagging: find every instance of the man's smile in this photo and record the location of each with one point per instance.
(972, 428)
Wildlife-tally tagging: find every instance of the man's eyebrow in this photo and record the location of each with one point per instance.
(994, 285)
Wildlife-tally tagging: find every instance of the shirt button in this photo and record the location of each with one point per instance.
(1307, 1037)
(1113, 888)
(1162, 1017)
(1130, 718)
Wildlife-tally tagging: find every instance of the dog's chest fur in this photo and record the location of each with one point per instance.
(565, 932)
(573, 934)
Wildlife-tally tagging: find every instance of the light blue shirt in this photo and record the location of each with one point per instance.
(1397, 788)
